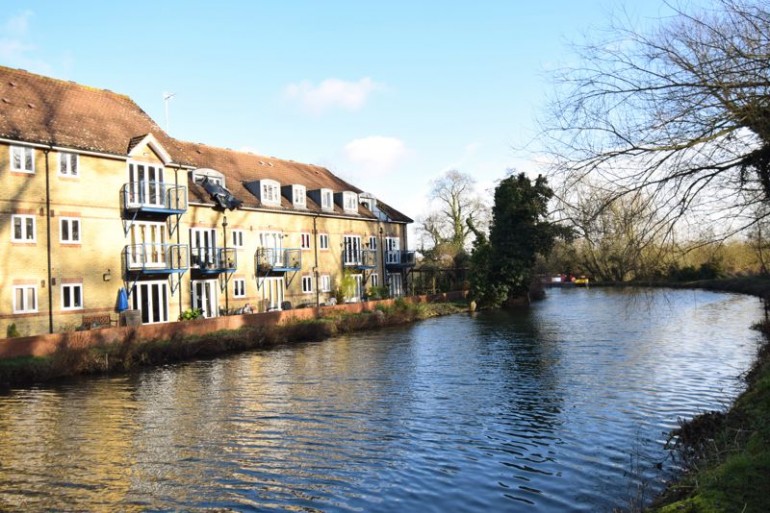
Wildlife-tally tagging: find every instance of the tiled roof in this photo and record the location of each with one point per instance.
(43, 110)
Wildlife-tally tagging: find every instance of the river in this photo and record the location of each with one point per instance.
(562, 407)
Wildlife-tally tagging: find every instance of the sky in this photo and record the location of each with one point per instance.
(388, 95)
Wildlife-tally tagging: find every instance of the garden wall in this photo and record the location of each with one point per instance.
(44, 345)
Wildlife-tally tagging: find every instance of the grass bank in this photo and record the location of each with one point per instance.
(131, 354)
(726, 455)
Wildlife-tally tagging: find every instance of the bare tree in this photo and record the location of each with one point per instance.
(681, 112)
(456, 200)
(620, 238)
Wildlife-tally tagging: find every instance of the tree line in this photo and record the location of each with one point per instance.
(659, 147)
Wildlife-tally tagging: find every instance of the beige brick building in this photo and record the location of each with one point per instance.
(95, 197)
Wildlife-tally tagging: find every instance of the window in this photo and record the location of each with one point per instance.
(151, 297)
(68, 164)
(307, 284)
(25, 299)
(237, 238)
(69, 230)
(213, 176)
(239, 287)
(374, 280)
(326, 283)
(352, 250)
(298, 195)
(22, 159)
(350, 201)
(392, 250)
(323, 241)
(372, 242)
(146, 186)
(23, 228)
(270, 192)
(327, 199)
(304, 240)
(72, 296)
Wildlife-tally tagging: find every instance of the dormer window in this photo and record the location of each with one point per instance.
(348, 200)
(297, 194)
(327, 199)
(270, 192)
(213, 176)
(368, 201)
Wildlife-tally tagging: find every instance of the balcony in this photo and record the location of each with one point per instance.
(278, 260)
(154, 197)
(360, 260)
(212, 261)
(397, 259)
(153, 258)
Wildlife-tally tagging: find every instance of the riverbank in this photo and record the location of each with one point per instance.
(130, 354)
(726, 455)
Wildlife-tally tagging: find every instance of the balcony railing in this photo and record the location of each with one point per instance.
(157, 258)
(399, 259)
(151, 196)
(274, 259)
(361, 259)
(214, 260)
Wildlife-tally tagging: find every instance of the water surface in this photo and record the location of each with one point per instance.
(563, 407)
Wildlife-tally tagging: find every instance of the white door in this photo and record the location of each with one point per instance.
(358, 291)
(204, 296)
(202, 246)
(151, 297)
(396, 285)
(146, 184)
(272, 241)
(147, 245)
(272, 292)
(352, 253)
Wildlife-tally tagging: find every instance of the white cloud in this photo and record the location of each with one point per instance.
(331, 93)
(375, 155)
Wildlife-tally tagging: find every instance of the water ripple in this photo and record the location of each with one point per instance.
(565, 407)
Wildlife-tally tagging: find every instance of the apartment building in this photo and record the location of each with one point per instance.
(95, 197)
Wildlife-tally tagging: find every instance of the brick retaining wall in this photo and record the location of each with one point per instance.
(44, 345)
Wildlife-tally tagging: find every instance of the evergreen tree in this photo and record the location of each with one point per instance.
(503, 267)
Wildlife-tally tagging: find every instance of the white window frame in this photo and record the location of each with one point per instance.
(25, 238)
(69, 163)
(270, 192)
(299, 196)
(392, 250)
(326, 283)
(145, 293)
(350, 202)
(374, 280)
(304, 240)
(239, 287)
(26, 158)
(237, 238)
(146, 184)
(70, 221)
(212, 175)
(307, 284)
(24, 308)
(68, 294)
(327, 200)
(351, 250)
(323, 241)
(373, 242)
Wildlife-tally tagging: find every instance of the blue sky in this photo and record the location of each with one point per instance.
(388, 95)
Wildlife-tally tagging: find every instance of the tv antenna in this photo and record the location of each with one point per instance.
(166, 98)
